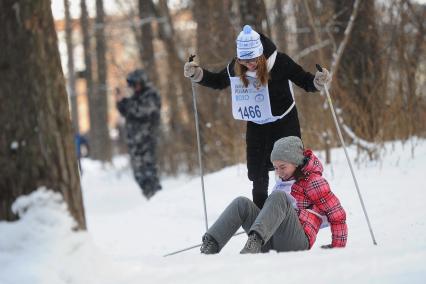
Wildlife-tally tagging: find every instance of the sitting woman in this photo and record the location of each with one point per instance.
(300, 204)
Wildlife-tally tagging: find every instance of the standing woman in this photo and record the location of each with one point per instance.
(260, 80)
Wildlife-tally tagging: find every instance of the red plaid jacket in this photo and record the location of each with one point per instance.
(313, 194)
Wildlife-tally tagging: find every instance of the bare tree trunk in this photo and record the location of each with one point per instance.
(100, 140)
(280, 26)
(88, 71)
(362, 79)
(413, 64)
(179, 96)
(407, 60)
(315, 32)
(71, 71)
(147, 47)
(314, 114)
(221, 135)
(36, 147)
(253, 13)
(344, 34)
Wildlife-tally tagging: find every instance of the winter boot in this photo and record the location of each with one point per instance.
(149, 191)
(253, 244)
(210, 245)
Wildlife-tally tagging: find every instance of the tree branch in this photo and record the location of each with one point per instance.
(337, 56)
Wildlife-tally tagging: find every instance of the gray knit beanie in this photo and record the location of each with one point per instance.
(288, 149)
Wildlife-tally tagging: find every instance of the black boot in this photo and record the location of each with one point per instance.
(260, 191)
(149, 190)
(210, 245)
(253, 244)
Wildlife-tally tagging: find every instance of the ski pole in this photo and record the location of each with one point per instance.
(200, 161)
(347, 156)
(196, 246)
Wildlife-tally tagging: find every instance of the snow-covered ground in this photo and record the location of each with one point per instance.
(128, 235)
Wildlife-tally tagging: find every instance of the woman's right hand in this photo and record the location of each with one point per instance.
(193, 71)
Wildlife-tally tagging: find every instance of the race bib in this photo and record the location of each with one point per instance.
(252, 103)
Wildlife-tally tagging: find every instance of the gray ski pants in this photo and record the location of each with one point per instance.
(277, 223)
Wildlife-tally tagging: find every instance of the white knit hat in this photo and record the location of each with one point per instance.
(248, 44)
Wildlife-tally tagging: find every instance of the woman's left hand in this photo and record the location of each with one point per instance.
(321, 79)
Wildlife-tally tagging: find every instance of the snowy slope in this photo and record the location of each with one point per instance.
(128, 235)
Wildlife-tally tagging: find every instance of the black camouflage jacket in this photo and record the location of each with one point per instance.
(141, 107)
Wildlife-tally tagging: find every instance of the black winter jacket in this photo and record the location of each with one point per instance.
(143, 106)
(283, 70)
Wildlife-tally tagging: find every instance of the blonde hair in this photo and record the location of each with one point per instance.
(261, 71)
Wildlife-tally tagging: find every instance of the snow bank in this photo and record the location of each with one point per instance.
(41, 247)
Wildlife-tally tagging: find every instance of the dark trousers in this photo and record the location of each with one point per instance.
(260, 139)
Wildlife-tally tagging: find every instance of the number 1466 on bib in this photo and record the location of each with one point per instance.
(250, 112)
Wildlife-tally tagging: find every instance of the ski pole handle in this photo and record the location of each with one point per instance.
(191, 58)
(319, 68)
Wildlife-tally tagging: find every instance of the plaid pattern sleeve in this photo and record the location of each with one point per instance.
(325, 202)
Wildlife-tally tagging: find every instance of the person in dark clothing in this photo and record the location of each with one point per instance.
(142, 114)
(260, 78)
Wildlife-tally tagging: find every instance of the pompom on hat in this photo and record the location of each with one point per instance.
(288, 149)
(249, 45)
